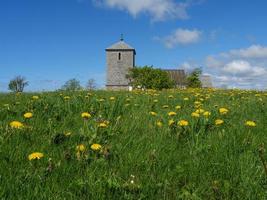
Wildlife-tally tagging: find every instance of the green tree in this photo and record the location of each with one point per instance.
(72, 85)
(149, 78)
(193, 79)
(18, 84)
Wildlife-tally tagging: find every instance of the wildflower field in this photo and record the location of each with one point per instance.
(180, 144)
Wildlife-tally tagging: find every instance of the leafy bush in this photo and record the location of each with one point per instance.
(149, 78)
(193, 79)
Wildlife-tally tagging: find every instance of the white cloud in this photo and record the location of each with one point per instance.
(181, 37)
(254, 51)
(244, 68)
(158, 9)
(237, 67)
(239, 82)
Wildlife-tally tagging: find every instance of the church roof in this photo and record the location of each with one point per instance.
(177, 75)
(121, 45)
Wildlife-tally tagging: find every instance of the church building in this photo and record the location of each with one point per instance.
(120, 58)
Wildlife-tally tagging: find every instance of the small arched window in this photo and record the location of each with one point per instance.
(119, 56)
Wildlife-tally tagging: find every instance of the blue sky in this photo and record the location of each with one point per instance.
(51, 41)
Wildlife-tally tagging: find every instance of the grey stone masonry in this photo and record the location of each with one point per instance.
(120, 58)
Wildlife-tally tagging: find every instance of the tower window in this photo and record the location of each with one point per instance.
(119, 56)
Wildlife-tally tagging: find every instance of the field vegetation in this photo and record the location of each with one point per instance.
(173, 144)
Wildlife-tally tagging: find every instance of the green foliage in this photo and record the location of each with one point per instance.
(72, 85)
(139, 160)
(193, 79)
(18, 84)
(150, 78)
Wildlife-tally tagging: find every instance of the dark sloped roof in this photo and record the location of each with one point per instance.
(177, 75)
(121, 45)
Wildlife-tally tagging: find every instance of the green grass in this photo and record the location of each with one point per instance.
(138, 159)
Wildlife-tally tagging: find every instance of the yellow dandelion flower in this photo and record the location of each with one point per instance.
(28, 115)
(16, 124)
(186, 99)
(86, 115)
(198, 106)
(183, 123)
(35, 156)
(165, 106)
(106, 122)
(112, 98)
(223, 111)
(80, 148)
(66, 98)
(159, 124)
(102, 125)
(96, 147)
(219, 122)
(195, 114)
(171, 122)
(155, 101)
(153, 113)
(197, 102)
(178, 107)
(170, 96)
(199, 111)
(250, 123)
(172, 113)
(35, 97)
(207, 114)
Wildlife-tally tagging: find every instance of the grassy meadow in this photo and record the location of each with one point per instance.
(175, 144)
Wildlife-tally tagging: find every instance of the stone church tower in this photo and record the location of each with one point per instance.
(120, 58)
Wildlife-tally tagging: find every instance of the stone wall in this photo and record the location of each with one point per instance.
(117, 88)
(118, 69)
